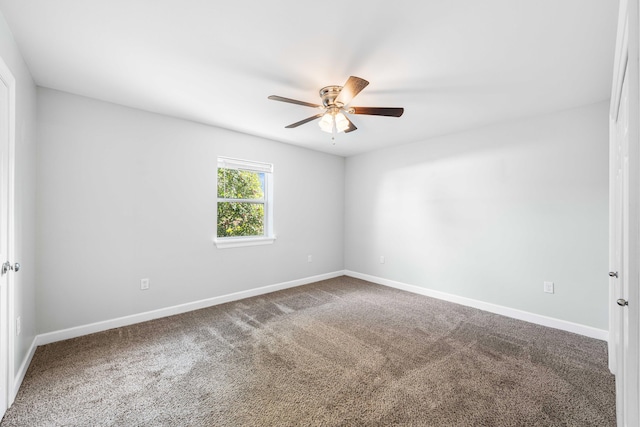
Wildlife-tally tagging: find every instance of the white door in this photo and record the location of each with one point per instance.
(4, 240)
(624, 235)
(619, 283)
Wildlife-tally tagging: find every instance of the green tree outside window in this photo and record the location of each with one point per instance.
(241, 203)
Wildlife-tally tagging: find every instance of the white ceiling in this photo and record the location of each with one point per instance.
(453, 65)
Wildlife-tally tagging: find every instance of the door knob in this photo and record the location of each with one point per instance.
(622, 302)
(613, 274)
(7, 266)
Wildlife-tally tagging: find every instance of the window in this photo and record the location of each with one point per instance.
(244, 214)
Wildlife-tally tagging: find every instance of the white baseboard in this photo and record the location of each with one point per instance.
(91, 328)
(24, 366)
(538, 319)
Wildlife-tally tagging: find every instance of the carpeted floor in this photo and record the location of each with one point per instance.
(341, 352)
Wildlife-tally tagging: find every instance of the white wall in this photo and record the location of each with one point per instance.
(490, 214)
(125, 194)
(25, 173)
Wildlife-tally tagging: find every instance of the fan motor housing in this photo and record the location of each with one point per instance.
(329, 95)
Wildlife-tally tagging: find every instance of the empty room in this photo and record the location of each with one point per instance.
(301, 214)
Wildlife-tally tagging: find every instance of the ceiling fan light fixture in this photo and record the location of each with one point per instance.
(334, 121)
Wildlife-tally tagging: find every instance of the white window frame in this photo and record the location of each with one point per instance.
(251, 166)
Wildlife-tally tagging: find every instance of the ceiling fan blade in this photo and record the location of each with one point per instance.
(307, 120)
(351, 127)
(377, 111)
(351, 88)
(293, 101)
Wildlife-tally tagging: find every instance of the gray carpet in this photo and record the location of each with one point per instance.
(341, 352)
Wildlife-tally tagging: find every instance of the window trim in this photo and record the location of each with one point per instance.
(267, 201)
(238, 242)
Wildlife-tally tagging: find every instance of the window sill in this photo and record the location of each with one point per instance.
(238, 242)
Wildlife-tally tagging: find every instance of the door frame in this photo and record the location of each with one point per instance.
(7, 77)
(626, 60)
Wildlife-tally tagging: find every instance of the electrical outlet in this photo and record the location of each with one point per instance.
(548, 287)
(144, 284)
(18, 325)
(309, 258)
(382, 260)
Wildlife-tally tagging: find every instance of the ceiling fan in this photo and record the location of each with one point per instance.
(335, 100)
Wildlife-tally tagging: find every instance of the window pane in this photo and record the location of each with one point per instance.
(237, 184)
(240, 219)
